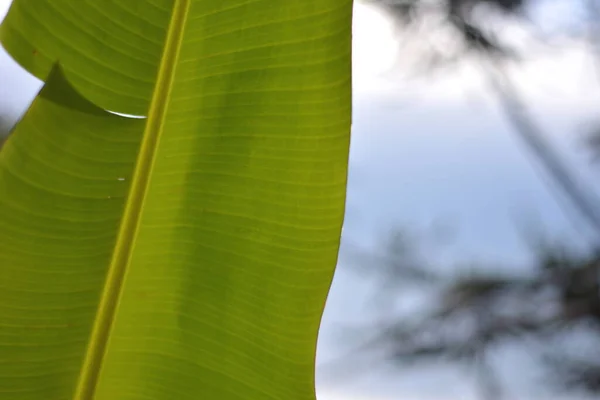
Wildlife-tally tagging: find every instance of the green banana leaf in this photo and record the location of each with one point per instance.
(186, 254)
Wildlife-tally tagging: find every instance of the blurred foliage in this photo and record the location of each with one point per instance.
(444, 33)
(469, 314)
(472, 313)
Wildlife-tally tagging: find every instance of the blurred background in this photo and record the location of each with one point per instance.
(470, 258)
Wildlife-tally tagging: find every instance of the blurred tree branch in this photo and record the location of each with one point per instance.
(474, 313)
(583, 200)
(470, 23)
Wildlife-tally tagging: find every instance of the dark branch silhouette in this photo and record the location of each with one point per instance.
(474, 313)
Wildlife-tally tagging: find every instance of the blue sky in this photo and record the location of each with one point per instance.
(440, 151)
(435, 151)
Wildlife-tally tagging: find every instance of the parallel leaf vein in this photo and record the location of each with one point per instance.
(92, 365)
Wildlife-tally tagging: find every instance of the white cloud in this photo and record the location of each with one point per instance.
(374, 47)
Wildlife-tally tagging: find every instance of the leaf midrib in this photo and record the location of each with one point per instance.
(97, 345)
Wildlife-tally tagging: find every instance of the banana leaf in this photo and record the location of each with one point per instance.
(186, 253)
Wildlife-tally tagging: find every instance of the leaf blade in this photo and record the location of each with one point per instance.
(60, 206)
(238, 239)
(153, 130)
(110, 52)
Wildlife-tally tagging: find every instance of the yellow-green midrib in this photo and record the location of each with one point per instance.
(130, 224)
(233, 260)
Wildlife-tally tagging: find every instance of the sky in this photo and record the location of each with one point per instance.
(426, 153)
